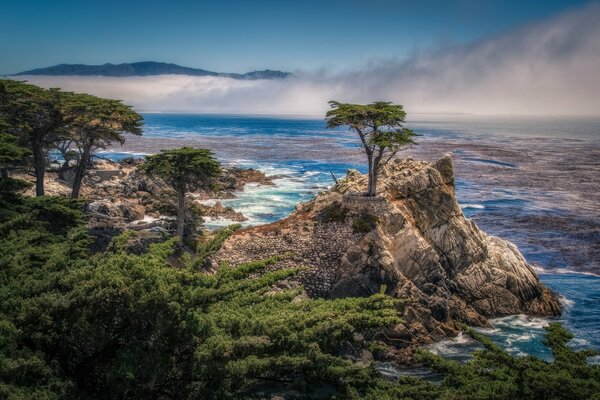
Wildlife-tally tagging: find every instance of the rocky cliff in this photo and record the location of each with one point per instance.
(412, 241)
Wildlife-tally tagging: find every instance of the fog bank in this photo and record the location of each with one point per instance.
(551, 67)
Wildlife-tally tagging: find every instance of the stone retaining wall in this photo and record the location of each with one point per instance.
(363, 204)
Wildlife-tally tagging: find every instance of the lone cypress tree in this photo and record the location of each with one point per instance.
(185, 169)
(380, 128)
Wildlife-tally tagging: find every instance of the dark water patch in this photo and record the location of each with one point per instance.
(549, 239)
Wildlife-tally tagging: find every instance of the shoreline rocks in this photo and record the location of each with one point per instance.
(118, 196)
(412, 241)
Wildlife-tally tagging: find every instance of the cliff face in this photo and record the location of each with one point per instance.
(411, 239)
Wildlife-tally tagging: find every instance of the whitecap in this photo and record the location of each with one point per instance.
(472, 206)
(564, 271)
(520, 320)
(566, 302)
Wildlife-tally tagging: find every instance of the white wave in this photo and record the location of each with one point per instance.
(487, 331)
(562, 271)
(566, 302)
(450, 346)
(519, 337)
(474, 206)
(219, 222)
(312, 173)
(520, 320)
(579, 342)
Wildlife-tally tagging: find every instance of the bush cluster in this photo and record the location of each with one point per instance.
(120, 325)
(364, 223)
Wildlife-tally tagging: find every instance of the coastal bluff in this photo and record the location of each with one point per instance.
(411, 240)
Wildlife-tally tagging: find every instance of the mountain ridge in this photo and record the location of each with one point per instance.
(146, 68)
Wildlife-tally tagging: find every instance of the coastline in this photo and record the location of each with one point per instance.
(518, 188)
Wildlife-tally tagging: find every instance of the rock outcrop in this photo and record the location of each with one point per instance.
(412, 240)
(219, 211)
(119, 196)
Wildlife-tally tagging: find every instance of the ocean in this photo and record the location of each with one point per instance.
(532, 181)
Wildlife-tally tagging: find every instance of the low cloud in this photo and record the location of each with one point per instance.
(550, 67)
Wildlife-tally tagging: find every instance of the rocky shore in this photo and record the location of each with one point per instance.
(119, 197)
(412, 241)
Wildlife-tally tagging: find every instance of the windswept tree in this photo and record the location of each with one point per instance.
(36, 117)
(185, 169)
(12, 153)
(380, 128)
(95, 123)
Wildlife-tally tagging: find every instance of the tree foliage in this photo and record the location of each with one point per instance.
(95, 123)
(380, 128)
(36, 117)
(185, 169)
(119, 325)
(12, 153)
(210, 245)
(44, 119)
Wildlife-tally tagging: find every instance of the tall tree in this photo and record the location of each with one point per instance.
(185, 169)
(36, 116)
(12, 153)
(95, 123)
(380, 128)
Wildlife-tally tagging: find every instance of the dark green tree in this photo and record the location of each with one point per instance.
(36, 117)
(12, 153)
(120, 325)
(380, 128)
(185, 169)
(95, 123)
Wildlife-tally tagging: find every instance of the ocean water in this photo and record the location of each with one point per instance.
(532, 181)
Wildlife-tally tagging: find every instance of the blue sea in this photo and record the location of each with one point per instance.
(532, 181)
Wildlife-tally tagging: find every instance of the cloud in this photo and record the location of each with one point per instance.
(549, 67)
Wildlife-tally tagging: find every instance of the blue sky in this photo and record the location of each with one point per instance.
(238, 36)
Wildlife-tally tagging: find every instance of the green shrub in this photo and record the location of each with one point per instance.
(334, 212)
(364, 223)
(120, 325)
(209, 246)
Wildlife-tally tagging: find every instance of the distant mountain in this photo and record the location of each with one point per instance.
(145, 68)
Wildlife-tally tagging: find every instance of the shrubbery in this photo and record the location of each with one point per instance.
(364, 223)
(119, 325)
(335, 212)
(207, 247)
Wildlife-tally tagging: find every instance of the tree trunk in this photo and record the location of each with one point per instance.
(375, 166)
(39, 165)
(4, 172)
(180, 215)
(371, 191)
(79, 172)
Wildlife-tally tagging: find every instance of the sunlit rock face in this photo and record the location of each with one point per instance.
(412, 241)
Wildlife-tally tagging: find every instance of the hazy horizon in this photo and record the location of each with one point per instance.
(545, 66)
